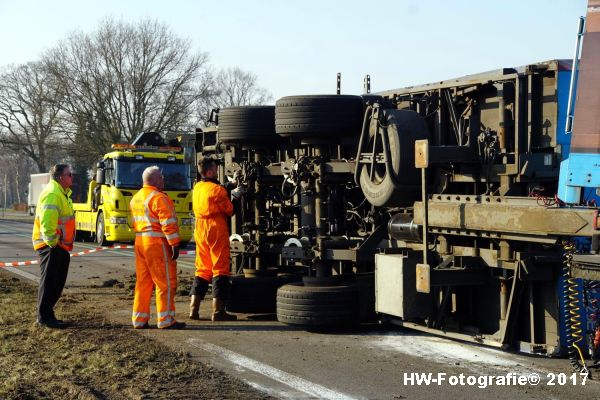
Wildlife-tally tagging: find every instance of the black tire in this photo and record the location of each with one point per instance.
(100, 231)
(82, 236)
(334, 280)
(366, 296)
(256, 295)
(247, 125)
(371, 98)
(403, 128)
(319, 116)
(318, 306)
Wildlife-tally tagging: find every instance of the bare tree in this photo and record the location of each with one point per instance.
(15, 176)
(30, 107)
(234, 87)
(125, 79)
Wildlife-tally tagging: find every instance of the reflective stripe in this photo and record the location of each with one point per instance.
(50, 238)
(65, 219)
(166, 314)
(166, 323)
(49, 207)
(168, 275)
(150, 196)
(140, 218)
(172, 236)
(140, 315)
(151, 233)
(38, 241)
(168, 221)
(146, 205)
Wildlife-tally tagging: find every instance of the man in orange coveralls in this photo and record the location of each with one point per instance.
(212, 207)
(156, 249)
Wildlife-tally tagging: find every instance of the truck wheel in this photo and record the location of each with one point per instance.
(366, 296)
(319, 116)
(318, 306)
(82, 236)
(257, 294)
(100, 231)
(247, 125)
(402, 128)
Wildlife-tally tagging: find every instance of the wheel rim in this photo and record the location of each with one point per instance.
(100, 230)
(379, 171)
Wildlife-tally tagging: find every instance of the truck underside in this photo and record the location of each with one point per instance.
(474, 244)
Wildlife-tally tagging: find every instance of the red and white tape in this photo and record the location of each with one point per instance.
(81, 253)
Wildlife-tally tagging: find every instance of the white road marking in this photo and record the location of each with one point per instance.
(449, 352)
(17, 234)
(302, 385)
(24, 274)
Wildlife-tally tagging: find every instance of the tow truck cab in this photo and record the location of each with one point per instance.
(106, 216)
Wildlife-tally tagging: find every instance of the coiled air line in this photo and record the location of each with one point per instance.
(571, 309)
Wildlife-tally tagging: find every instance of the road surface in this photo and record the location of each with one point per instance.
(370, 362)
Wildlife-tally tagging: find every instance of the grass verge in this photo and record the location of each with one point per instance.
(94, 358)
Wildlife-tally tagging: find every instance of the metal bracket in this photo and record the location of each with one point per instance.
(423, 278)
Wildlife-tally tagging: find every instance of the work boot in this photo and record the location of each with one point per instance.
(195, 307)
(176, 326)
(219, 313)
(53, 324)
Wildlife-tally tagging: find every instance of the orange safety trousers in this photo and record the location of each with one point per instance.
(154, 268)
(212, 247)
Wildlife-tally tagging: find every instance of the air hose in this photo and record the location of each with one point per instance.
(572, 310)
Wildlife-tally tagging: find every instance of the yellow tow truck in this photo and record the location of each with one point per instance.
(105, 217)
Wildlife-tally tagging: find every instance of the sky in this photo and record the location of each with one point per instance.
(297, 47)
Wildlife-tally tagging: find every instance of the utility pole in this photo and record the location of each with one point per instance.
(5, 192)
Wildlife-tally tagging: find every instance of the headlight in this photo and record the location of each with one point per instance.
(118, 220)
(187, 222)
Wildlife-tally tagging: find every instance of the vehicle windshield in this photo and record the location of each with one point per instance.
(128, 174)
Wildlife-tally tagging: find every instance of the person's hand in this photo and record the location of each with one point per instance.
(237, 192)
(175, 250)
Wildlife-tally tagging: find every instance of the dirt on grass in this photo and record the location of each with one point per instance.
(93, 358)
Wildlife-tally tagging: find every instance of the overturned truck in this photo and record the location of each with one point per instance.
(432, 207)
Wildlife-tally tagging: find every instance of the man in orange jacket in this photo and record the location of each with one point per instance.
(212, 207)
(156, 249)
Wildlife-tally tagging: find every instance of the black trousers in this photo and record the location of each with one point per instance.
(220, 287)
(54, 266)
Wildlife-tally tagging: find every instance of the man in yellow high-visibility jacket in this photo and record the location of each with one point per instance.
(53, 236)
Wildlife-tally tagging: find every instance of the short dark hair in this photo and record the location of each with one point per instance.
(57, 170)
(205, 164)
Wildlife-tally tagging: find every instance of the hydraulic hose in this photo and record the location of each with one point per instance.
(572, 310)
